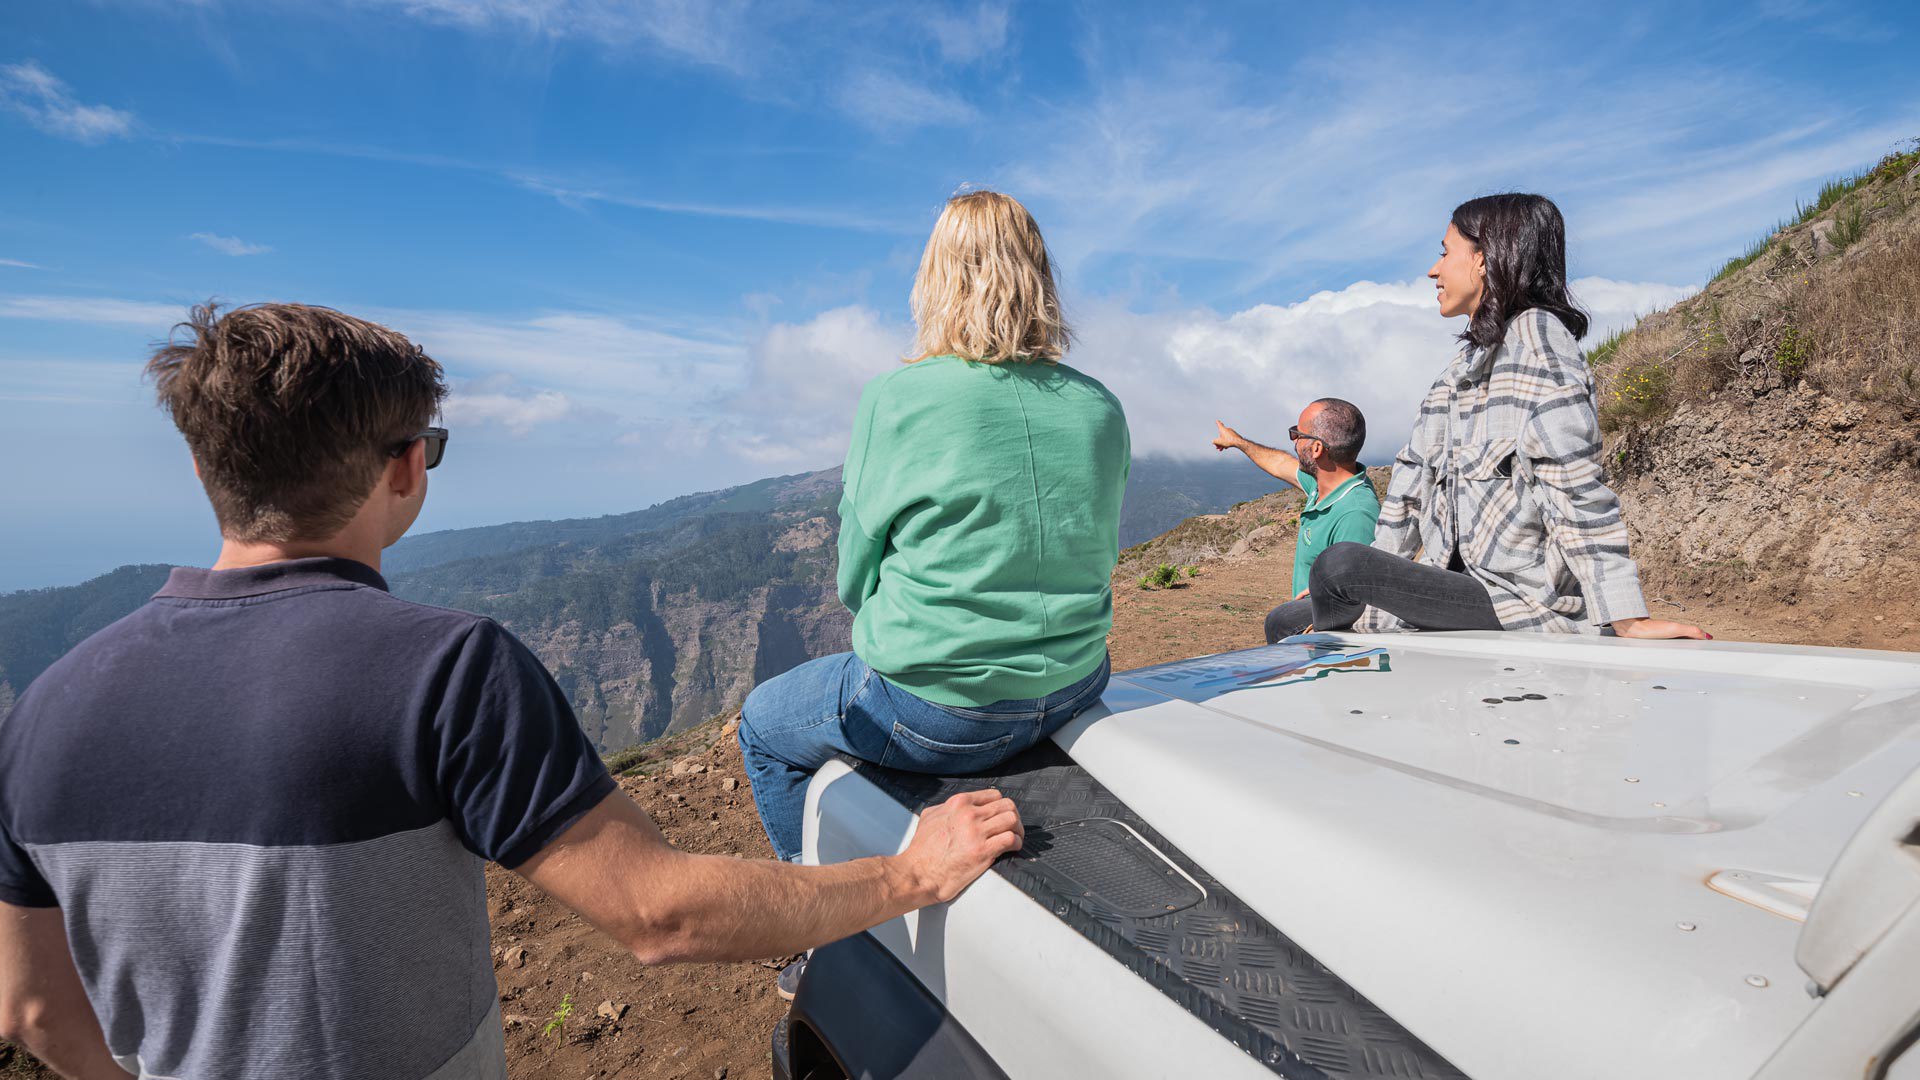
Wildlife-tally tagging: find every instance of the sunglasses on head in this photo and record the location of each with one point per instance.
(436, 438)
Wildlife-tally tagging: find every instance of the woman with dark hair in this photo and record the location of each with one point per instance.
(1498, 515)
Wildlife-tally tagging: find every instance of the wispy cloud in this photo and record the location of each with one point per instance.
(822, 217)
(889, 102)
(36, 94)
(229, 245)
(19, 264)
(1357, 153)
(715, 32)
(102, 311)
(500, 400)
(968, 36)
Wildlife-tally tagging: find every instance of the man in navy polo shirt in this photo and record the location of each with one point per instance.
(242, 829)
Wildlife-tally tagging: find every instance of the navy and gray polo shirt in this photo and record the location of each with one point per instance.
(261, 803)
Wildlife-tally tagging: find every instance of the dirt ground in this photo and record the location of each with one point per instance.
(626, 1020)
(578, 1006)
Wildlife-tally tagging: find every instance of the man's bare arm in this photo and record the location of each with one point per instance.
(666, 906)
(42, 1005)
(1276, 463)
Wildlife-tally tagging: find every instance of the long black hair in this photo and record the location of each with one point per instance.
(1525, 244)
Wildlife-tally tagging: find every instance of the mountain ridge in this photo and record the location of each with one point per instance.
(651, 620)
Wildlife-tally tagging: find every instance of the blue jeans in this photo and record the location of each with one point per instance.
(794, 723)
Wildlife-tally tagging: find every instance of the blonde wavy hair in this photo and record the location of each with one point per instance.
(985, 288)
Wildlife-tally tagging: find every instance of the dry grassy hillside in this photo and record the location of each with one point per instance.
(1765, 433)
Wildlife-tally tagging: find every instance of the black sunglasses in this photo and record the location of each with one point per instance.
(436, 438)
(1296, 435)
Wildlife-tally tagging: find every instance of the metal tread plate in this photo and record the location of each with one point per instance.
(1106, 873)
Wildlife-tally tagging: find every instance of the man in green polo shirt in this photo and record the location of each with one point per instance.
(1341, 505)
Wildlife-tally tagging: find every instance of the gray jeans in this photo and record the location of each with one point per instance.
(1348, 578)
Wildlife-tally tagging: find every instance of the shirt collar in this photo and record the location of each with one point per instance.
(1472, 363)
(1327, 498)
(193, 583)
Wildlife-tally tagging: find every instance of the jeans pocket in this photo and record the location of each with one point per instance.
(911, 750)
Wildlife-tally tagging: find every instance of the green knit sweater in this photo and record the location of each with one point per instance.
(980, 525)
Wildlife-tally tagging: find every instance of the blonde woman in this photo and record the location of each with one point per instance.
(978, 532)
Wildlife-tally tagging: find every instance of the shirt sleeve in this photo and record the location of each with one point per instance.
(860, 552)
(20, 882)
(1561, 445)
(514, 767)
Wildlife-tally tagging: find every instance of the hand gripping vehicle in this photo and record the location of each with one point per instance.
(1491, 855)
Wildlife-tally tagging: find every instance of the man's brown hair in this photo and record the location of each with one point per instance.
(291, 412)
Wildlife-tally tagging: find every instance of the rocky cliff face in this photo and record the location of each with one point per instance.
(687, 658)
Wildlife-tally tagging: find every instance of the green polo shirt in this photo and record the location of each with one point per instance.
(1349, 512)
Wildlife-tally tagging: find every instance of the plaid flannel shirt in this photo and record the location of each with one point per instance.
(1504, 466)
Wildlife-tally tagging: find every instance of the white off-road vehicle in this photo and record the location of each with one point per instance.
(1498, 856)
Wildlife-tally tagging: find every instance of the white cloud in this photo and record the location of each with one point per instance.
(229, 245)
(825, 218)
(19, 265)
(35, 93)
(967, 37)
(105, 311)
(803, 381)
(889, 102)
(500, 401)
(1377, 345)
(715, 32)
(698, 399)
(623, 363)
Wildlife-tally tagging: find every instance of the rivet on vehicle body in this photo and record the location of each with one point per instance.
(1491, 700)
(1633, 779)
(1657, 686)
(1686, 926)
(1511, 742)
(1473, 733)
(1757, 981)
(1660, 806)
(1353, 712)
(1853, 794)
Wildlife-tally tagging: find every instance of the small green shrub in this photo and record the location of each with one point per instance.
(1191, 571)
(1790, 355)
(558, 1025)
(1160, 577)
(1849, 227)
(1639, 393)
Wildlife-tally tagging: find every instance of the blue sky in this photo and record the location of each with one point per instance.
(660, 245)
